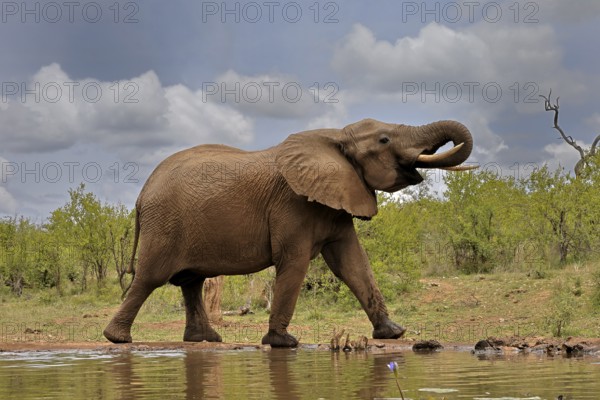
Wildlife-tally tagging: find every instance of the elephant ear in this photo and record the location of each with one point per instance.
(314, 165)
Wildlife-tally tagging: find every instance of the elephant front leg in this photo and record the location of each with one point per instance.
(197, 325)
(348, 261)
(288, 283)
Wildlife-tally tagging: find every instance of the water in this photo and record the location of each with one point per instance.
(293, 374)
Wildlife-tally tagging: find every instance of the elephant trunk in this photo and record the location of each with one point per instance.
(432, 136)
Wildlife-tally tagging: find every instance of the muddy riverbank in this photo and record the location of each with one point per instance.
(551, 346)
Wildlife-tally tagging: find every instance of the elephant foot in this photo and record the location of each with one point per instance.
(388, 330)
(117, 335)
(276, 339)
(201, 334)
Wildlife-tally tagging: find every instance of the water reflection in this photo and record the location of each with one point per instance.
(204, 375)
(283, 385)
(292, 374)
(286, 374)
(122, 373)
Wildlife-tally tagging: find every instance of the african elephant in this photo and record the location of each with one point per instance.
(215, 210)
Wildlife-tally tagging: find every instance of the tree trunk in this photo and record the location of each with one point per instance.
(564, 242)
(16, 284)
(212, 291)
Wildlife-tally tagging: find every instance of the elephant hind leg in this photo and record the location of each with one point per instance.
(119, 328)
(197, 325)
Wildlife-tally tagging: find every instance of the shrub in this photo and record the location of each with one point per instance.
(596, 287)
(563, 306)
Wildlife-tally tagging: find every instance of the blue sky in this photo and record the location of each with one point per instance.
(100, 94)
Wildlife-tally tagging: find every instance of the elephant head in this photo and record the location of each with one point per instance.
(342, 168)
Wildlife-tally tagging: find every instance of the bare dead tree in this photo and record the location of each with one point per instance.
(584, 154)
(559, 226)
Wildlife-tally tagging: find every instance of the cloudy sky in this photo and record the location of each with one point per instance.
(99, 92)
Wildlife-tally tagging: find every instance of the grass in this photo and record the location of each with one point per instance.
(462, 309)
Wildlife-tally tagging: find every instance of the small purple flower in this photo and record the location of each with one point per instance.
(393, 366)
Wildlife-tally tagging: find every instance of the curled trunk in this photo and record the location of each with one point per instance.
(435, 135)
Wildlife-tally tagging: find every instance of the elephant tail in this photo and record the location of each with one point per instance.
(131, 269)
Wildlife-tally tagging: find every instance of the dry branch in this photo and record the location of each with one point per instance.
(584, 154)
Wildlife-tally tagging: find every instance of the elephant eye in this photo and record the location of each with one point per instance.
(384, 140)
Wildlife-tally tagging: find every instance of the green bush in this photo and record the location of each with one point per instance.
(596, 287)
(563, 305)
(482, 223)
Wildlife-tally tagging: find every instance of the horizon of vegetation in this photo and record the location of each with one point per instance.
(483, 222)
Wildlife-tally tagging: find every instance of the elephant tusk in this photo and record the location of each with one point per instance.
(429, 158)
(461, 168)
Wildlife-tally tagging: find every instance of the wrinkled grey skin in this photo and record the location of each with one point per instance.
(215, 210)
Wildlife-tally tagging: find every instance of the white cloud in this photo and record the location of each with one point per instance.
(561, 154)
(488, 143)
(140, 119)
(131, 119)
(190, 116)
(335, 116)
(271, 95)
(8, 204)
(436, 52)
(481, 53)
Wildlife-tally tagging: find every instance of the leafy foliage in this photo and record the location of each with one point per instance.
(27, 255)
(563, 306)
(81, 241)
(481, 223)
(479, 215)
(596, 288)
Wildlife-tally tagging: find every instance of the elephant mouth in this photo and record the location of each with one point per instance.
(395, 188)
(405, 177)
